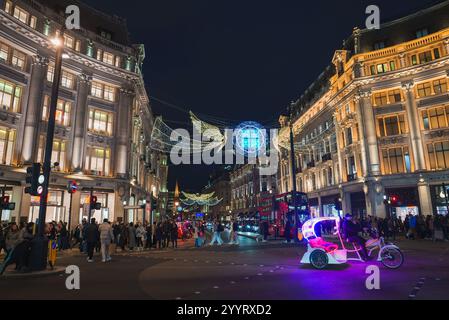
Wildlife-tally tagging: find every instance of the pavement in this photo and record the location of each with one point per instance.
(250, 271)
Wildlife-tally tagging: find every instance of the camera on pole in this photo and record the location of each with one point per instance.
(34, 180)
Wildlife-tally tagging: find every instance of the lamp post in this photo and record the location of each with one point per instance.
(293, 161)
(39, 249)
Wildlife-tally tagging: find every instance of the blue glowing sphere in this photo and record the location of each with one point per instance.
(249, 138)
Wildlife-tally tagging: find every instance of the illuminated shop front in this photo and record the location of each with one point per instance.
(56, 211)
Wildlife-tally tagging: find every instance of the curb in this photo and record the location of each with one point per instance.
(39, 274)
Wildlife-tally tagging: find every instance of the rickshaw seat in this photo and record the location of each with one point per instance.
(320, 243)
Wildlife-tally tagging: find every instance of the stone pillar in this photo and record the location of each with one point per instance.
(76, 205)
(414, 128)
(34, 109)
(320, 206)
(446, 45)
(346, 202)
(369, 133)
(339, 153)
(425, 198)
(80, 125)
(403, 60)
(361, 126)
(123, 132)
(374, 196)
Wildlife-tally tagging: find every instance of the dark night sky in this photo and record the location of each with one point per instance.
(238, 59)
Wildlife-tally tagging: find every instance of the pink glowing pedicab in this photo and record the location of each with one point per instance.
(321, 253)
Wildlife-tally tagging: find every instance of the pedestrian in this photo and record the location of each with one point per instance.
(153, 233)
(287, 230)
(13, 237)
(234, 229)
(159, 235)
(218, 228)
(131, 236)
(106, 238)
(140, 235)
(149, 238)
(174, 235)
(91, 237)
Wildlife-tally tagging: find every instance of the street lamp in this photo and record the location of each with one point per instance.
(40, 245)
(293, 162)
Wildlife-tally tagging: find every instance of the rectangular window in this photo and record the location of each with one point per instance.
(99, 54)
(118, 62)
(58, 153)
(18, 60)
(414, 60)
(109, 93)
(50, 73)
(438, 155)
(97, 90)
(425, 57)
(396, 160)
(67, 79)
(7, 141)
(394, 96)
(424, 89)
(436, 53)
(33, 22)
(63, 110)
(78, 46)
(373, 70)
(392, 125)
(21, 14)
(98, 161)
(10, 96)
(4, 52)
(392, 66)
(8, 6)
(68, 41)
(108, 58)
(422, 33)
(382, 68)
(380, 99)
(100, 122)
(440, 86)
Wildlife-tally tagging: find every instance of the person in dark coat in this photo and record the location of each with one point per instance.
(174, 234)
(351, 233)
(91, 236)
(159, 235)
(287, 230)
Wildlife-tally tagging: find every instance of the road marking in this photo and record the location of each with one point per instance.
(178, 298)
(260, 274)
(232, 282)
(197, 292)
(417, 288)
(246, 278)
(216, 287)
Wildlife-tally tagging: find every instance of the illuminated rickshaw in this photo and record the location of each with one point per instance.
(321, 253)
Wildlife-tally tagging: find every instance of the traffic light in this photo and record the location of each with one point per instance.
(72, 187)
(34, 180)
(94, 205)
(153, 203)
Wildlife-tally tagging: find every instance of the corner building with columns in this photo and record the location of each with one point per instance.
(103, 119)
(375, 124)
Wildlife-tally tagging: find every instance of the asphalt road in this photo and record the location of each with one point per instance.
(252, 271)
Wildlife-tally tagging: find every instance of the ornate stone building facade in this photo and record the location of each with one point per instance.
(104, 119)
(376, 122)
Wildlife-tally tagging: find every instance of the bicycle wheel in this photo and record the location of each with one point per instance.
(319, 259)
(391, 257)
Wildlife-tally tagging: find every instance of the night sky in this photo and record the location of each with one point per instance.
(238, 59)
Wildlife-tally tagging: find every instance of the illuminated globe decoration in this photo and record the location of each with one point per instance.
(249, 139)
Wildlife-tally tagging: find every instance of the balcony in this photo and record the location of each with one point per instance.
(311, 165)
(326, 157)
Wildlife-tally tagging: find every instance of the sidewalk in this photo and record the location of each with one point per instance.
(10, 273)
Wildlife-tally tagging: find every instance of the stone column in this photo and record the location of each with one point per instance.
(361, 126)
(425, 198)
(80, 124)
(414, 128)
(446, 45)
(340, 153)
(123, 132)
(320, 206)
(374, 197)
(346, 202)
(34, 109)
(403, 60)
(369, 132)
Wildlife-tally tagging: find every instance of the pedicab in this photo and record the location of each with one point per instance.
(321, 253)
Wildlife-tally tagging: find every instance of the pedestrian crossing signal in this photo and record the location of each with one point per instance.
(33, 179)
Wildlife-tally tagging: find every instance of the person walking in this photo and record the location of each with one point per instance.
(140, 235)
(174, 235)
(234, 236)
(218, 228)
(131, 236)
(91, 238)
(106, 238)
(159, 235)
(287, 230)
(13, 237)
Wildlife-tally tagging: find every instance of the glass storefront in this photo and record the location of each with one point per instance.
(56, 211)
(99, 215)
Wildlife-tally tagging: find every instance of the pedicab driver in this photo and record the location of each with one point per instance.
(351, 233)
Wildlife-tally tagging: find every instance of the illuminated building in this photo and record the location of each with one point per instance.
(376, 122)
(104, 119)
